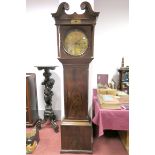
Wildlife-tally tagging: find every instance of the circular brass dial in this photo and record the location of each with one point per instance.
(75, 43)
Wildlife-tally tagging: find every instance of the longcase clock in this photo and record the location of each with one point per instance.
(75, 35)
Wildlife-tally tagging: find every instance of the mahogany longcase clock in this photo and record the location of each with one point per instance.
(75, 35)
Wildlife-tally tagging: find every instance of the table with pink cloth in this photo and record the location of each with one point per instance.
(109, 119)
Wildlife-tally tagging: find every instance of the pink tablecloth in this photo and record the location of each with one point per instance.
(109, 119)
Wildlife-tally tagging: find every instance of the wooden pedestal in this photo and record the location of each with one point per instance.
(76, 136)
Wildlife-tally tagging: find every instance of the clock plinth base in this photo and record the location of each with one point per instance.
(76, 136)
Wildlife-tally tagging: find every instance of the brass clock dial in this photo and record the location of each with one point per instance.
(76, 43)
